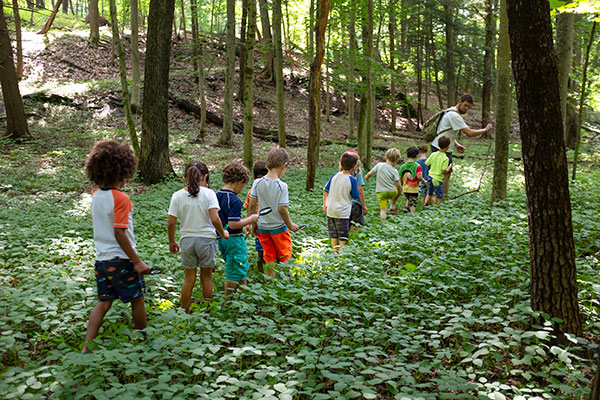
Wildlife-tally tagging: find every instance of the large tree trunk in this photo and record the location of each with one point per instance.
(503, 108)
(564, 50)
(488, 63)
(449, 73)
(50, 20)
(248, 83)
(123, 76)
(154, 155)
(277, 41)
(227, 133)
(65, 6)
(553, 286)
(198, 58)
(16, 123)
(352, 46)
(268, 46)
(94, 22)
(19, 42)
(314, 108)
(135, 58)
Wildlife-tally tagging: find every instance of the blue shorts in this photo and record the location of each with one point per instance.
(338, 228)
(257, 244)
(423, 188)
(118, 279)
(235, 255)
(437, 191)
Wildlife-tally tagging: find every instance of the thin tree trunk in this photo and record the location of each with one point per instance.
(182, 23)
(242, 50)
(553, 281)
(391, 28)
(198, 62)
(268, 46)
(488, 63)
(16, 122)
(154, 150)
(311, 27)
(503, 109)
(227, 133)
(135, 58)
(449, 74)
(419, 70)
(582, 98)
(65, 6)
(438, 90)
(327, 63)
(564, 50)
(94, 22)
(277, 22)
(352, 46)
(19, 42)
(248, 83)
(50, 20)
(123, 74)
(314, 113)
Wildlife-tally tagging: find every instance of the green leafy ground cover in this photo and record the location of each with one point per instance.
(432, 305)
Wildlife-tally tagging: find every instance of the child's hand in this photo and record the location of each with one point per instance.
(365, 210)
(142, 268)
(174, 248)
(253, 218)
(325, 207)
(294, 228)
(225, 235)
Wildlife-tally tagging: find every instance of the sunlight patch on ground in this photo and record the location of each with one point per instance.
(82, 207)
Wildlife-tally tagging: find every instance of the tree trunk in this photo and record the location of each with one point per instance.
(352, 46)
(198, 61)
(65, 6)
(419, 70)
(268, 46)
(154, 155)
(277, 41)
(16, 122)
(311, 27)
(365, 126)
(449, 74)
(123, 74)
(50, 20)
(94, 22)
(135, 58)
(248, 83)
(40, 4)
(553, 282)
(582, 98)
(595, 392)
(433, 50)
(314, 109)
(503, 108)
(182, 22)
(564, 50)
(227, 133)
(327, 77)
(242, 50)
(488, 63)
(391, 28)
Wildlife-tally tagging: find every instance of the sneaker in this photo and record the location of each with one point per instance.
(393, 211)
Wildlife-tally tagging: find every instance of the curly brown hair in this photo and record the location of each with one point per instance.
(110, 162)
(235, 172)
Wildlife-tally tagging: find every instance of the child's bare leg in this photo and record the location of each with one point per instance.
(270, 267)
(335, 244)
(232, 286)
(207, 285)
(261, 262)
(427, 200)
(187, 288)
(138, 311)
(343, 243)
(95, 322)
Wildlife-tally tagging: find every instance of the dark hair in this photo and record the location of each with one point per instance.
(443, 142)
(423, 148)
(110, 162)
(194, 172)
(277, 157)
(467, 97)
(260, 169)
(348, 160)
(412, 152)
(235, 172)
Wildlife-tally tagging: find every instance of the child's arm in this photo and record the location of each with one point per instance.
(171, 225)
(251, 211)
(251, 219)
(361, 196)
(399, 187)
(285, 215)
(369, 174)
(216, 221)
(325, 195)
(123, 241)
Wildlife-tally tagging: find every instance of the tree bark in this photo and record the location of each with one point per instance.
(135, 58)
(154, 155)
(366, 111)
(50, 20)
(227, 133)
(198, 62)
(314, 109)
(391, 28)
(242, 50)
(16, 122)
(435, 65)
(182, 22)
(488, 63)
(248, 83)
(19, 42)
(352, 46)
(564, 51)
(553, 283)
(65, 6)
(268, 46)
(277, 41)
(449, 74)
(94, 22)
(503, 109)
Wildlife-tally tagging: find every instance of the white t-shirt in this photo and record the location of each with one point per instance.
(387, 176)
(111, 209)
(450, 125)
(192, 212)
(342, 189)
(270, 193)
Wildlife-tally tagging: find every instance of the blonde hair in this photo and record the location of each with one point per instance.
(392, 155)
(277, 157)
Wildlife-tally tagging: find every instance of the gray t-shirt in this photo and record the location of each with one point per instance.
(387, 176)
(450, 125)
(270, 193)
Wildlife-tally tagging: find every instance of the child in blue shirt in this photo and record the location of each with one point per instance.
(233, 250)
(423, 194)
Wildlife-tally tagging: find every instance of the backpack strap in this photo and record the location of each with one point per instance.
(440, 121)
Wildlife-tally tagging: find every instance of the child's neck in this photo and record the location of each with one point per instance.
(388, 162)
(411, 159)
(347, 171)
(443, 150)
(274, 173)
(229, 186)
(422, 155)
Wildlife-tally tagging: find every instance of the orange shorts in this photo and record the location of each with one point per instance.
(277, 245)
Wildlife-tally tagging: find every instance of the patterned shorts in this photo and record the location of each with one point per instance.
(118, 279)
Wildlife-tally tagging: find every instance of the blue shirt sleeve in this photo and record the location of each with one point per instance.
(354, 188)
(360, 181)
(235, 211)
(326, 188)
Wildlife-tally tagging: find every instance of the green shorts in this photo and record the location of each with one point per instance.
(384, 197)
(235, 255)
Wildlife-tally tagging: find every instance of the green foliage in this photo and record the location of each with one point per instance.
(430, 305)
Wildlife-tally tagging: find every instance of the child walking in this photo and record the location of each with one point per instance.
(388, 182)
(439, 166)
(259, 170)
(338, 194)
(234, 250)
(359, 206)
(118, 267)
(197, 209)
(424, 196)
(273, 228)
(412, 175)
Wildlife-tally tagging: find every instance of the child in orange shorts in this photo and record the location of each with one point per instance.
(273, 228)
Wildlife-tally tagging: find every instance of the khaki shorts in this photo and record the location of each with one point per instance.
(198, 252)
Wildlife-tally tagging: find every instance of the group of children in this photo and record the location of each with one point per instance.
(209, 220)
